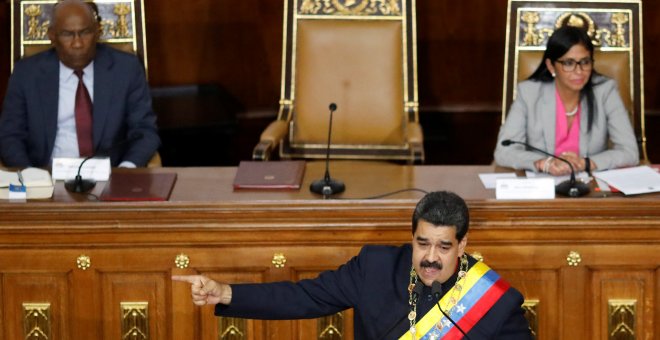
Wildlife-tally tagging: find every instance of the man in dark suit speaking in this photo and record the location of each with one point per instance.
(431, 289)
(77, 98)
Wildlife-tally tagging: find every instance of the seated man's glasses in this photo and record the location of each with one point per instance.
(568, 65)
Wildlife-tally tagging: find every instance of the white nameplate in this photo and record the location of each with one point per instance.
(524, 188)
(97, 169)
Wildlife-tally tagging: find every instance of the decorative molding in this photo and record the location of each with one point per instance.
(530, 307)
(279, 260)
(83, 262)
(621, 319)
(135, 320)
(331, 327)
(36, 321)
(607, 28)
(232, 328)
(350, 7)
(573, 259)
(182, 261)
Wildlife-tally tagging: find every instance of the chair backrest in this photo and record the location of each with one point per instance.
(121, 21)
(360, 55)
(616, 31)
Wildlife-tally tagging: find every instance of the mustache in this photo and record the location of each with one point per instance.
(427, 264)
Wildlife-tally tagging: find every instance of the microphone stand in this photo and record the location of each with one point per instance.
(328, 186)
(436, 290)
(78, 184)
(571, 187)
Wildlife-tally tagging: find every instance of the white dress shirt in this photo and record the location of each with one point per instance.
(66, 137)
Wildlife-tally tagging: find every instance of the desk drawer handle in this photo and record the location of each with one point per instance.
(83, 262)
(279, 260)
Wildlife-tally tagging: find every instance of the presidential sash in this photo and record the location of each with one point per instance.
(479, 291)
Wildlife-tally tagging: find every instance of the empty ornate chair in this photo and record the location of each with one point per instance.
(361, 55)
(616, 31)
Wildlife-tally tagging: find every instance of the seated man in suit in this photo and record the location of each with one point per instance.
(77, 99)
(401, 292)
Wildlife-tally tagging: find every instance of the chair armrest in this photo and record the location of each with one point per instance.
(155, 161)
(416, 141)
(269, 140)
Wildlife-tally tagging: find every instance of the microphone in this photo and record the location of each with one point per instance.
(328, 186)
(416, 292)
(436, 291)
(571, 187)
(80, 185)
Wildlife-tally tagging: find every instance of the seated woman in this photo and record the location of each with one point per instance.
(569, 110)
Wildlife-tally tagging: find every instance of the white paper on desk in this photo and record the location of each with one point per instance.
(489, 179)
(525, 188)
(580, 176)
(632, 181)
(97, 169)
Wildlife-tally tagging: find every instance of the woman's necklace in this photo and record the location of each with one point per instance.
(572, 113)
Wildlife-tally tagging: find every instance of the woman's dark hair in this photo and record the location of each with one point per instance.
(558, 44)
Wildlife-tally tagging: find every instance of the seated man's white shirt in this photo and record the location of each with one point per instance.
(66, 137)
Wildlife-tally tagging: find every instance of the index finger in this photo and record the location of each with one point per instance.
(187, 278)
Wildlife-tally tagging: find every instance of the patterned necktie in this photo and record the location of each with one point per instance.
(83, 111)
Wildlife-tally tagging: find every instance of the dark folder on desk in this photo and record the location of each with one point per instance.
(129, 186)
(275, 175)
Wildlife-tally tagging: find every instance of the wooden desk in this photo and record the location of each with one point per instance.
(254, 236)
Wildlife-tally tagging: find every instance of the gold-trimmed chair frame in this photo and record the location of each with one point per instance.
(122, 26)
(403, 10)
(614, 26)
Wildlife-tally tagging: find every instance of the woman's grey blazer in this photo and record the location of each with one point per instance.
(531, 119)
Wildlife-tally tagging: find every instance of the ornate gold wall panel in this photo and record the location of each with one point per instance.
(331, 327)
(621, 319)
(232, 328)
(531, 314)
(350, 7)
(135, 320)
(36, 321)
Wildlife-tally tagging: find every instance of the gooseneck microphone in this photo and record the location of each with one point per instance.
(436, 291)
(328, 186)
(571, 187)
(80, 185)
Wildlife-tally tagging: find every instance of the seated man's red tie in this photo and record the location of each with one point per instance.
(83, 111)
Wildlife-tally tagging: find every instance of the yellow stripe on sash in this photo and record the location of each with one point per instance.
(433, 316)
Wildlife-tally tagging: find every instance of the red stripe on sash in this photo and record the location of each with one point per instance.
(478, 310)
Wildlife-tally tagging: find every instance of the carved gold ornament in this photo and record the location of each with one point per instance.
(135, 320)
(279, 260)
(36, 321)
(182, 261)
(573, 259)
(350, 7)
(537, 30)
(83, 262)
(36, 30)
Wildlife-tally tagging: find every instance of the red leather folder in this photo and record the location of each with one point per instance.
(276, 175)
(131, 186)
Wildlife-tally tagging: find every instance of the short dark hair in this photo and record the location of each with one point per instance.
(443, 208)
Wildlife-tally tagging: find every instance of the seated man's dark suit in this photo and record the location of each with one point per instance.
(122, 110)
(375, 283)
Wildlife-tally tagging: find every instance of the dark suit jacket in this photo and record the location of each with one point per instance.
(122, 109)
(375, 284)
